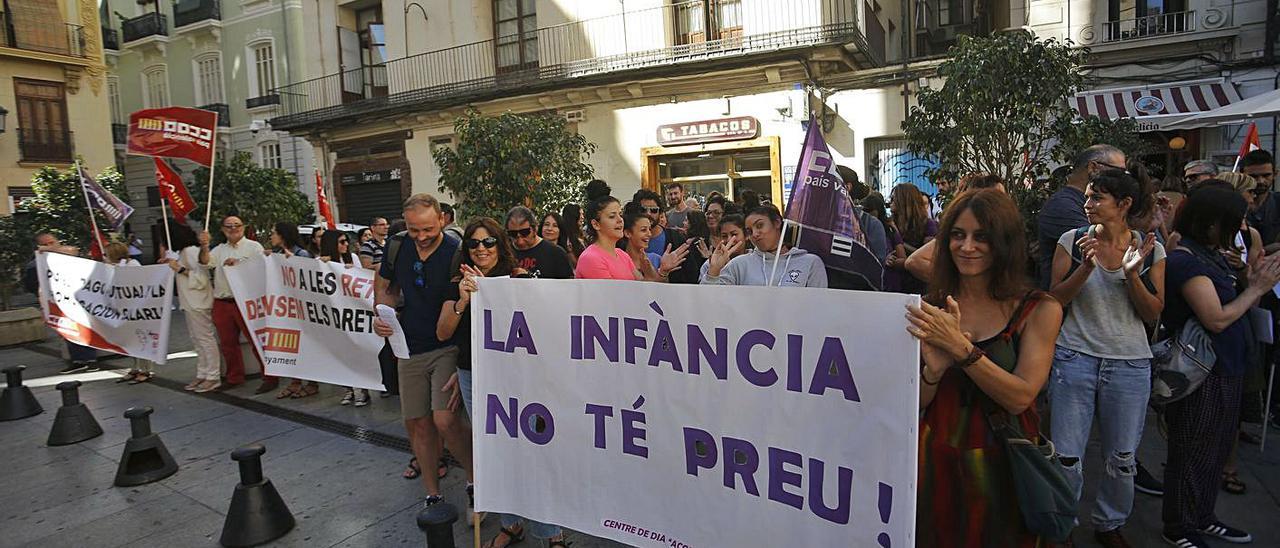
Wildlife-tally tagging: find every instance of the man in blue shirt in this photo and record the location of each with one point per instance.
(417, 266)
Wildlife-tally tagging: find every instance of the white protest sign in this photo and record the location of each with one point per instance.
(310, 319)
(675, 415)
(121, 309)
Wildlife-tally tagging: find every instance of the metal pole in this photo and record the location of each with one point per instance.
(213, 161)
(92, 220)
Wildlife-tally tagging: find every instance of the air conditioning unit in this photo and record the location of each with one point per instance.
(574, 116)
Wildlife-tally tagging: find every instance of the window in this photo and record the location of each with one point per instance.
(208, 69)
(516, 31)
(43, 133)
(269, 155)
(155, 83)
(723, 17)
(262, 79)
(113, 97)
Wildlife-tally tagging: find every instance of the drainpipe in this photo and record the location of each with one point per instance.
(288, 82)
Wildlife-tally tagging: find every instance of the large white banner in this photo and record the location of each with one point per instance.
(121, 309)
(309, 319)
(676, 415)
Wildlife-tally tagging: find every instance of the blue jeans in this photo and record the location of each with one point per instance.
(80, 353)
(1116, 391)
(535, 528)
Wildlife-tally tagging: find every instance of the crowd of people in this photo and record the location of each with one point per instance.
(1048, 337)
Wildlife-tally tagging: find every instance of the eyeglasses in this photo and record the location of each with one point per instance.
(651, 210)
(521, 233)
(232, 227)
(488, 243)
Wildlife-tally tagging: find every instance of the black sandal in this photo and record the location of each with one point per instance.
(513, 537)
(413, 471)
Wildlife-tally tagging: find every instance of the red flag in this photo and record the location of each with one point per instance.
(1250, 144)
(172, 189)
(324, 203)
(98, 245)
(174, 132)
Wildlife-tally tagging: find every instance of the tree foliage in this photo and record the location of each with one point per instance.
(59, 207)
(510, 159)
(1000, 106)
(260, 196)
(16, 243)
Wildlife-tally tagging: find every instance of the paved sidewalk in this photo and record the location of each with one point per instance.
(343, 491)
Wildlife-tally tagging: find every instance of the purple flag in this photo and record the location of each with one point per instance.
(820, 204)
(111, 207)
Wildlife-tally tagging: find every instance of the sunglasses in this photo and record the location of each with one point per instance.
(651, 210)
(1259, 191)
(419, 280)
(232, 227)
(522, 233)
(488, 243)
(343, 241)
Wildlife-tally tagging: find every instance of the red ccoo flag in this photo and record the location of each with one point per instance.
(172, 189)
(324, 203)
(1250, 144)
(174, 132)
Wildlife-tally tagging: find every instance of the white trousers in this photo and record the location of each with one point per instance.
(208, 359)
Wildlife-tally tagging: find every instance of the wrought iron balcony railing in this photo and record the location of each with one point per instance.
(60, 38)
(142, 26)
(224, 113)
(46, 145)
(1149, 26)
(110, 38)
(668, 37)
(186, 12)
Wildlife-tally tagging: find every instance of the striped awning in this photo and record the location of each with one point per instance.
(1157, 105)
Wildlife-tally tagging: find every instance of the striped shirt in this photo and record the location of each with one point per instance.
(373, 250)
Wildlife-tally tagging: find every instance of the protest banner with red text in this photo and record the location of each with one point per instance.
(673, 415)
(174, 132)
(121, 309)
(310, 320)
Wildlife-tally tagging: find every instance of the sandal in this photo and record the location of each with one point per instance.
(562, 543)
(289, 391)
(1231, 483)
(412, 471)
(141, 378)
(128, 377)
(442, 468)
(307, 391)
(513, 537)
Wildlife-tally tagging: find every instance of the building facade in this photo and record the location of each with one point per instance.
(228, 56)
(53, 87)
(717, 93)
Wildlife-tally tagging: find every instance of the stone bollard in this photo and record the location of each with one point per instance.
(74, 422)
(17, 401)
(257, 514)
(145, 457)
(437, 522)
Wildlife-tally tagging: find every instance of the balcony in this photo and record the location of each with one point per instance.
(265, 100)
(46, 145)
(224, 113)
(1149, 26)
(186, 12)
(669, 40)
(119, 133)
(142, 26)
(61, 38)
(110, 38)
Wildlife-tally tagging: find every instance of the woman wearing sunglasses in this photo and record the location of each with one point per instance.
(336, 245)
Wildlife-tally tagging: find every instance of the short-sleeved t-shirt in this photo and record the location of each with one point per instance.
(1231, 345)
(373, 250)
(677, 218)
(1061, 212)
(545, 260)
(1102, 321)
(423, 284)
(598, 264)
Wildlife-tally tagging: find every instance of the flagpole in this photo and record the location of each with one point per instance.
(213, 154)
(777, 254)
(164, 216)
(92, 220)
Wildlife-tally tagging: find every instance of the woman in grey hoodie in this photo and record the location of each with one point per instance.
(763, 265)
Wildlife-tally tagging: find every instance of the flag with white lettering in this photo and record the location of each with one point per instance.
(174, 191)
(174, 132)
(820, 205)
(113, 209)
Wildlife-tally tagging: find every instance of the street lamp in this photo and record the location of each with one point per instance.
(4, 113)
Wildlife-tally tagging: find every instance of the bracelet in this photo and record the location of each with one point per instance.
(455, 309)
(973, 357)
(925, 378)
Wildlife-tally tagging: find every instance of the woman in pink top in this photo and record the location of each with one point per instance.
(602, 260)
